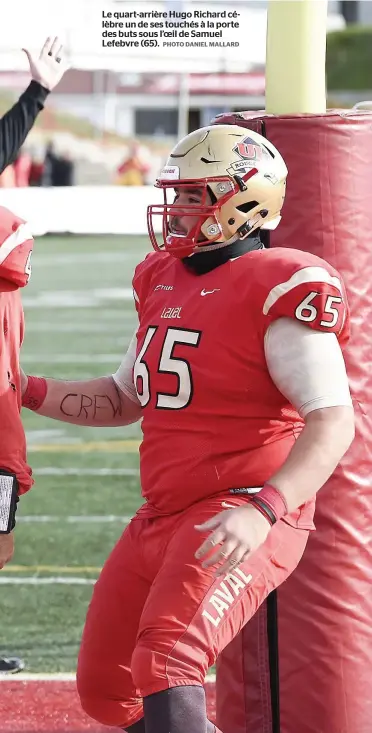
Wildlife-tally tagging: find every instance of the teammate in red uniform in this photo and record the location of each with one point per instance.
(237, 372)
(15, 475)
(47, 69)
(16, 244)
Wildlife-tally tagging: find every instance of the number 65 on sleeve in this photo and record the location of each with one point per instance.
(313, 297)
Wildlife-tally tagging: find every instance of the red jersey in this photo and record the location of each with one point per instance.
(15, 249)
(213, 419)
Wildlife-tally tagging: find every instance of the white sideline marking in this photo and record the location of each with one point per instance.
(81, 259)
(33, 435)
(58, 677)
(76, 298)
(48, 518)
(113, 328)
(72, 358)
(51, 471)
(108, 313)
(46, 581)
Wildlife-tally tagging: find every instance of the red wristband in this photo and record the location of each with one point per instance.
(270, 502)
(35, 393)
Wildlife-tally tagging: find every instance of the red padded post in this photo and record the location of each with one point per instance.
(324, 610)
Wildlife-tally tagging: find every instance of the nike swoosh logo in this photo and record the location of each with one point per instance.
(225, 505)
(209, 292)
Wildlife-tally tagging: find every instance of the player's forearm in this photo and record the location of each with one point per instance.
(94, 402)
(326, 437)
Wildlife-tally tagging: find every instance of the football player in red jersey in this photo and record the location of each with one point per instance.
(237, 373)
(16, 245)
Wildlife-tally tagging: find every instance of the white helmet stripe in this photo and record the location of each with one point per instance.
(22, 235)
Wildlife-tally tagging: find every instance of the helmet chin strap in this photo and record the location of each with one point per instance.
(245, 231)
(219, 245)
(215, 246)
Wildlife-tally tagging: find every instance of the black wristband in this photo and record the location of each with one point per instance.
(8, 500)
(264, 509)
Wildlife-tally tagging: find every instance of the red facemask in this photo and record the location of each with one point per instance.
(183, 245)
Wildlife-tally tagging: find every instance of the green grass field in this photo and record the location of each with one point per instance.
(79, 319)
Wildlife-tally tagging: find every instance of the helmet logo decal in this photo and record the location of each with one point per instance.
(241, 166)
(249, 149)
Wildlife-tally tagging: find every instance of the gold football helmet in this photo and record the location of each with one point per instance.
(240, 177)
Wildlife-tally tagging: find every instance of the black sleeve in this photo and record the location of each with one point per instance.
(17, 123)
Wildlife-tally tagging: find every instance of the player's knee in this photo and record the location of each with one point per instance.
(98, 708)
(97, 703)
(152, 668)
(107, 712)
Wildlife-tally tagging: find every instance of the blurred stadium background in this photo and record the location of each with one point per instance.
(83, 180)
(112, 97)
